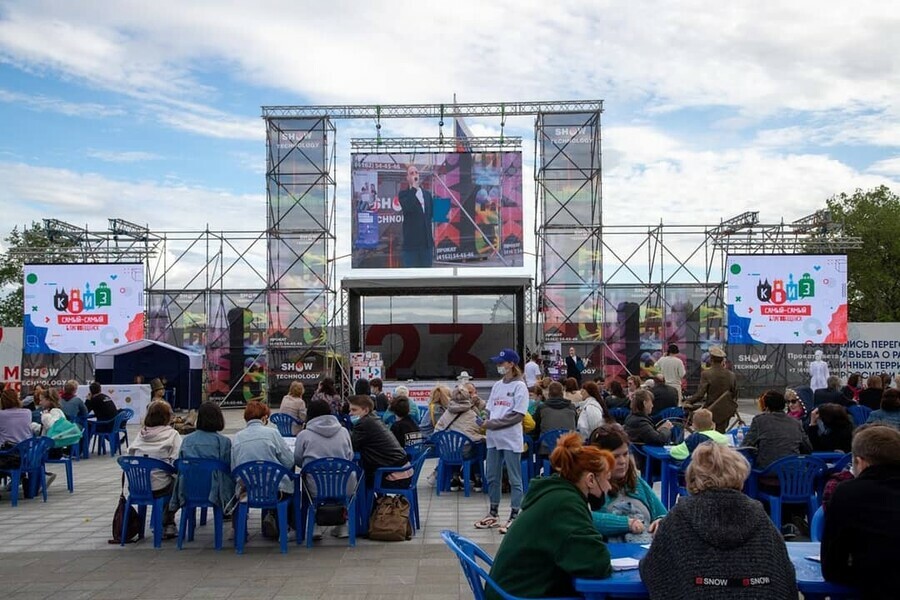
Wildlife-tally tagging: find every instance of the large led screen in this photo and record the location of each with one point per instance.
(82, 308)
(437, 210)
(787, 299)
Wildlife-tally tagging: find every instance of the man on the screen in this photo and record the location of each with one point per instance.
(417, 248)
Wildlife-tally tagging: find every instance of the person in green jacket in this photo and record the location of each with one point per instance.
(631, 512)
(553, 540)
(704, 431)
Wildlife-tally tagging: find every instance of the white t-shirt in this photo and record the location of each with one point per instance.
(532, 373)
(672, 369)
(504, 399)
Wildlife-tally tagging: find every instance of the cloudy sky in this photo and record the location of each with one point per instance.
(150, 111)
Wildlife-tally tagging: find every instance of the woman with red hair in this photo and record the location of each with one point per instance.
(553, 539)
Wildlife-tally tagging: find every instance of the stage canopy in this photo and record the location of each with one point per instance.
(183, 370)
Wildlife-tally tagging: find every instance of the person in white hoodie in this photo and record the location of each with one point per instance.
(158, 439)
(323, 437)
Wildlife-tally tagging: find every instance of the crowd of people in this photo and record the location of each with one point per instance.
(595, 496)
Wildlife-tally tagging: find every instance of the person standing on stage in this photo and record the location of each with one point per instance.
(574, 366)
(417, 248)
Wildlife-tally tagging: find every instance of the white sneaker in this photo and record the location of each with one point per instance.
(319, 532)
(340, 531)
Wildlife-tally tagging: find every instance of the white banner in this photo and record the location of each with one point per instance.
(874, 348)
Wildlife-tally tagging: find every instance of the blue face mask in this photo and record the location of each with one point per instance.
(355, 419)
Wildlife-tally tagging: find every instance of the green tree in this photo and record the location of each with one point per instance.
(873, 271)
(30, 245)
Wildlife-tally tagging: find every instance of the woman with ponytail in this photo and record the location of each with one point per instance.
(553, 540)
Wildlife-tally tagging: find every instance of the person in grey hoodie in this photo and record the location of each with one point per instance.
(323, 437)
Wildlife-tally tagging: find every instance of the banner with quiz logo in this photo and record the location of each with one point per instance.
(787, 299)
(82, 308)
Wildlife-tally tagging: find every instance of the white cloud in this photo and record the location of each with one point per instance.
(889, 167)
(46, 192)
(759, 58)
(657, 177)
(126, 156)
(41, 103)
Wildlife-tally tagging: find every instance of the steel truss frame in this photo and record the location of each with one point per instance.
(220, 264)
(438, 144)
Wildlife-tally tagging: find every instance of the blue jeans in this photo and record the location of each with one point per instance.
(513, 461)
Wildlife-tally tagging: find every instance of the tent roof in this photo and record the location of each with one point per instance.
(106, 357)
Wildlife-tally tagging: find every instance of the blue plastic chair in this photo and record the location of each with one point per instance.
(548, 440)
(450, 447)
(469, 555)
(620, 414)
(841, 464)
(859, 413)
(32, 454)
(82, 448)
(676, 434)
(195, 479)
(673, 412)
(261, 479)
(285, 423)
(637, 450)
(797, 478)
(66, 461)
(115, 436)
(333, 479)
(677, 486)
(528, 458)
(140, 493)
(817, 525)
(411, 493)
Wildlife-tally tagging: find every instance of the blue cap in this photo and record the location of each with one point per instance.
(506, 355)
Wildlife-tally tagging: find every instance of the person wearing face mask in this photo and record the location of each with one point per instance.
(554, 540)
(506, 409)
(631, 511)
(417, 248)
(377, 446)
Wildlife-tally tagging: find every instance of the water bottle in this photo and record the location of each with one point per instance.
(740, 436)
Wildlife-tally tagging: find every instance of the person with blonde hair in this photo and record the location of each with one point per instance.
(717, 542)
(71, 404)
(294, 405)
(704, 431)
(554, 540)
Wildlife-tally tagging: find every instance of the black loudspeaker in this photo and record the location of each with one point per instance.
(628, 318)
(236, 333)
